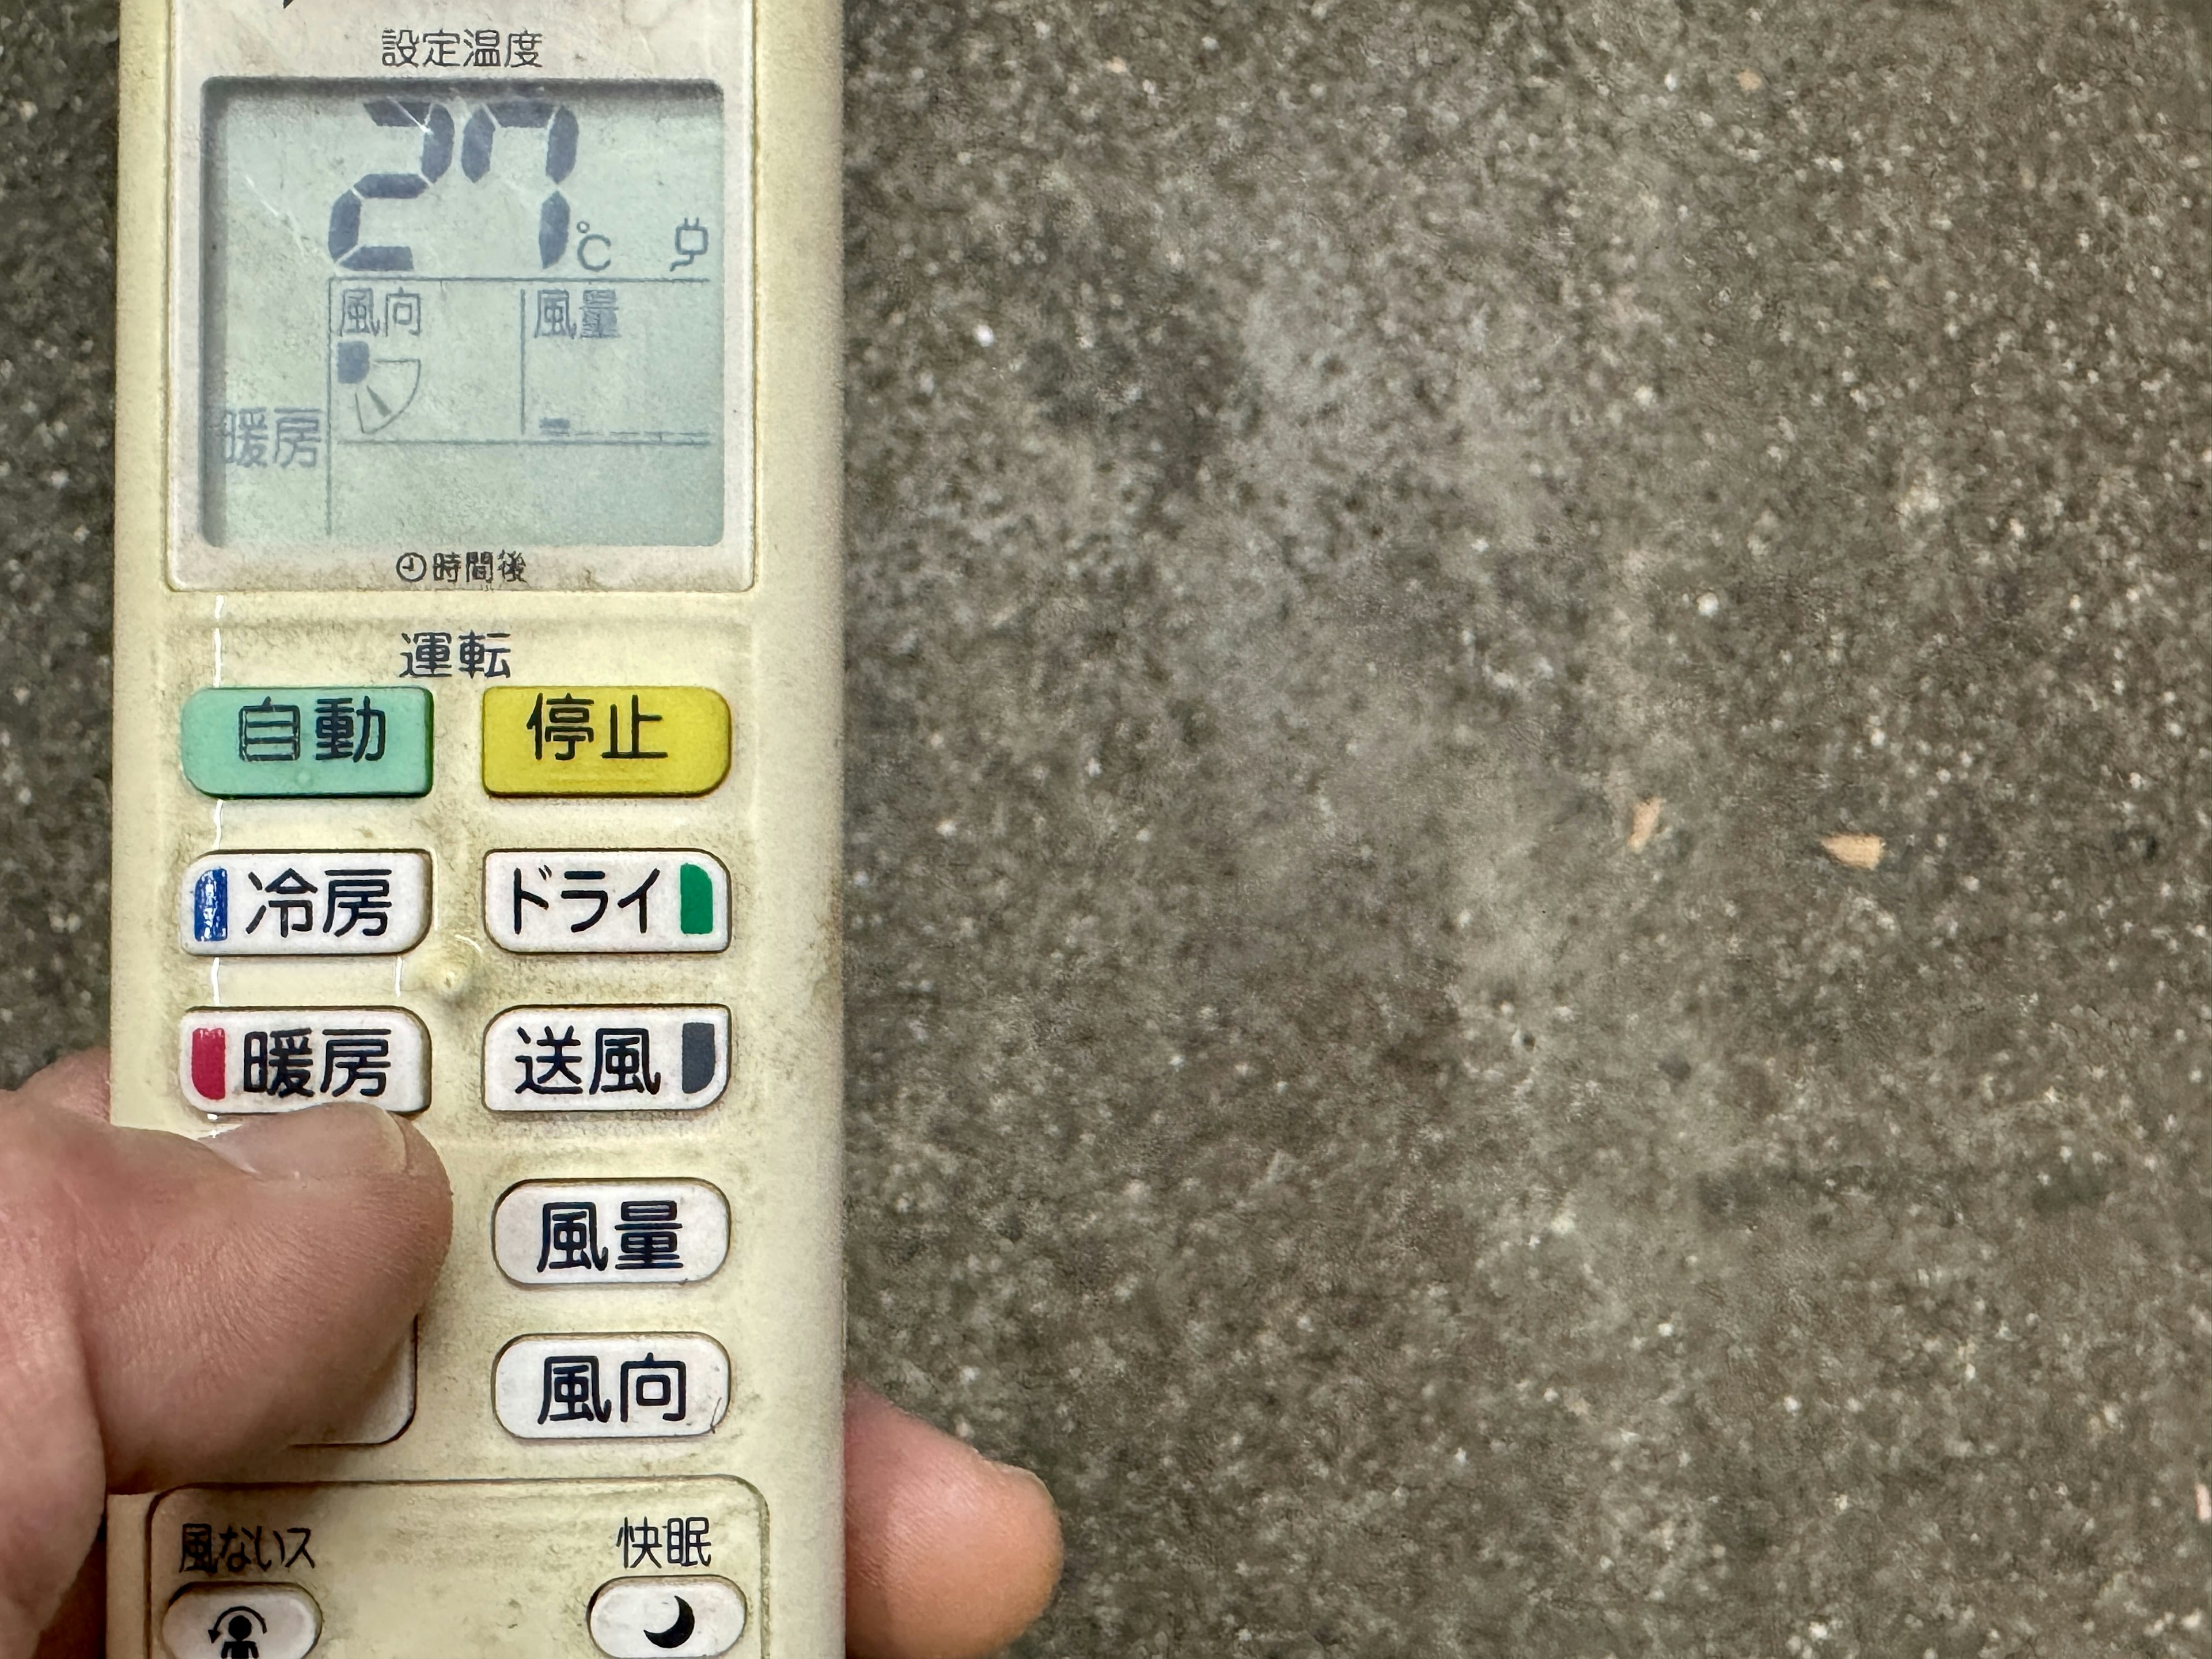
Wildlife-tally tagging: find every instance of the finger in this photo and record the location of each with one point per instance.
(78, 1629)
(76, 1083)
(172, 1305)
(947, 1555)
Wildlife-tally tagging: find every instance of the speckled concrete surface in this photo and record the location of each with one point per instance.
(1314, 471)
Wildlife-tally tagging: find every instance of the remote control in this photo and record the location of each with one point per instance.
(476, 696)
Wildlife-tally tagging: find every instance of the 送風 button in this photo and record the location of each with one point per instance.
(305, 904)
(309, 740)
(651, 1059)
(233, 1060)
(610, 1232)
(242, 1621)
(611, 1387)
(605, 740)
(686, 1618)
(607, 901)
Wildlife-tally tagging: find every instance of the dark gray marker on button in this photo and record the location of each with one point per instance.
(698, 1055)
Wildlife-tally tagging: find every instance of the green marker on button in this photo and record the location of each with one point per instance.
(694, 893)
(308, 741)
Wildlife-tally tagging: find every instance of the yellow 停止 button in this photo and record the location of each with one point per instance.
(605, 739)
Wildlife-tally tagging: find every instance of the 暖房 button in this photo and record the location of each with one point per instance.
(279, 1059)
(607, 900)
(666, 1058)
(610, 1232)
(686, 1618)
(304, 905)
(314, 740)
(242, 1621)
(661, 1386)
(605, 740)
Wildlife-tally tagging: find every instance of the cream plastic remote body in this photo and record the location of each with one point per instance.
(476, 681)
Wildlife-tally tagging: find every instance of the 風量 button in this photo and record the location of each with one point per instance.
(610, 1232)
(605, 740)
(307, 740)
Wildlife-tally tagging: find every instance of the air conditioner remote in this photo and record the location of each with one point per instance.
(477, 682)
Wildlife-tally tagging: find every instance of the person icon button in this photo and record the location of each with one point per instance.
(238, 1626)
(241, 1621)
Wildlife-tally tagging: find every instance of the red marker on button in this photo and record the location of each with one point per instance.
(210, 1061)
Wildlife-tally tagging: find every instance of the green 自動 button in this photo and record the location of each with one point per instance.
(307, 740)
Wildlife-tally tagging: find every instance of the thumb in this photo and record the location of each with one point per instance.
(172, 1305)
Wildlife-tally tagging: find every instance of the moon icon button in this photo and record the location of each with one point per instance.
(671, 1618)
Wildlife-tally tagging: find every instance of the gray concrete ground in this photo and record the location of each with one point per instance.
(1313, 471)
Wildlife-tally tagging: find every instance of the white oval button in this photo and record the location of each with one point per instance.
(617, 901)
(610, 1232)
(652, 1058)
(244, 1621)
(681, 1618)
(279, 1059)
(304, 905)
(662, 1386)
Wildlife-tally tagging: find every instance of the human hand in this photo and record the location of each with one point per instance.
(129, 1363)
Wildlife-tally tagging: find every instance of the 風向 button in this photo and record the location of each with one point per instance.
(306, 904)
(651, 1059)
(685, 1618)
(610, 1232)
(242, 1621)
(605, 740)
(314, 740)
(607, 900)
(233, 1060)
(664, 1386)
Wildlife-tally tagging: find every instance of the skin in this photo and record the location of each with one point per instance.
(157, 1335)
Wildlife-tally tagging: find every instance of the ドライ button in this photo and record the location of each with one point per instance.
(312, 740)
(242, 1621)
(610, 1233)
(610, 899)
(685, 1618)
(605, 740)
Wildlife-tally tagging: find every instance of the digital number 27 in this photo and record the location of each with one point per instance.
(436, 124)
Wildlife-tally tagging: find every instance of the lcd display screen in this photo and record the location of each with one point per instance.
(462, 314)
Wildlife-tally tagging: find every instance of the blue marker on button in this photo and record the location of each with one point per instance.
(211, 906)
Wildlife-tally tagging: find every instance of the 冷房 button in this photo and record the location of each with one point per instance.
(611, 1387)
(610, 1232)
(654, 1059)
(304, 905)
(279, 1059)
(607, 901)
(242, 1621)
(303, 741)
(687, 1618)
(605, 740)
